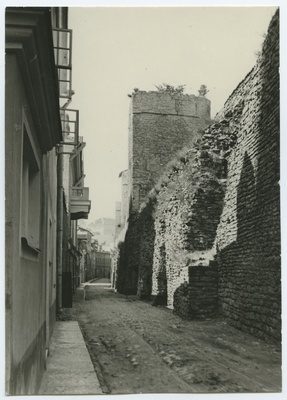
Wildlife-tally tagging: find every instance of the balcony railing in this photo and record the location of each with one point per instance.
(70, 126)
(80, 193)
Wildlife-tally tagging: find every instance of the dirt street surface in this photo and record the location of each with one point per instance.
(138, 348)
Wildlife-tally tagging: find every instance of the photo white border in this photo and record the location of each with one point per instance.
(283, 182)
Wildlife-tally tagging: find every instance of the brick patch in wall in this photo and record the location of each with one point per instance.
(197, 298)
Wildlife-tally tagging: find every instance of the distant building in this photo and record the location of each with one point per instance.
(86, 272)
(101, 261)
(104, 231)
(122, 208)
(124, 175)
(118, 225)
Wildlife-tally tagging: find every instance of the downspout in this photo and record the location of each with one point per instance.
(60, 219)
(60, 213)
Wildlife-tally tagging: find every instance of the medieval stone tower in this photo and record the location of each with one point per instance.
(161, 124)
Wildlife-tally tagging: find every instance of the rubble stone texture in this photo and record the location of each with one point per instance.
(186, 218)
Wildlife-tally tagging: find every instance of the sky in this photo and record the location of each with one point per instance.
(117, 49)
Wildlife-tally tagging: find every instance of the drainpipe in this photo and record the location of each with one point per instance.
(68, 102)
(60, 213)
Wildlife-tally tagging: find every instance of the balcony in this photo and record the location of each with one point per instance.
(80, 203)
(70, 126)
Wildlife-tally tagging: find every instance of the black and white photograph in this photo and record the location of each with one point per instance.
(143, 205)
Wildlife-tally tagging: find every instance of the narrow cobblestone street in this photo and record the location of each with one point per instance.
(137, 348)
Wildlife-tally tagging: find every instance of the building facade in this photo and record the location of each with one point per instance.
(38, 188)
(101, 261)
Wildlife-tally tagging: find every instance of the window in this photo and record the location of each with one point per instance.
(63, 59)
(30, 204)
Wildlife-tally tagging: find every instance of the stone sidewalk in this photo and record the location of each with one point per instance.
(69, 366)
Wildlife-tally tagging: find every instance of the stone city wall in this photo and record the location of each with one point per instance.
(206, 239)
(161, 123)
